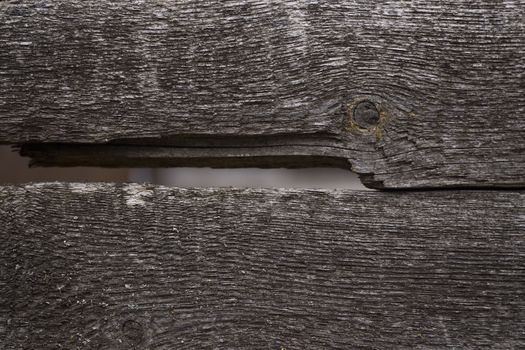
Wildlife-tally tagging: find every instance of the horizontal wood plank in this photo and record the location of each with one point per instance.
(104, 266)
(409, 94)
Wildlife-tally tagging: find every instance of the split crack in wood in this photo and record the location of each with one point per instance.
(444, 77)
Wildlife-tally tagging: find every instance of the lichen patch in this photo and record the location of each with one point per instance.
(137, 195)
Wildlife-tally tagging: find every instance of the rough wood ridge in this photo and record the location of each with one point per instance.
(446, 79)
(103, 266)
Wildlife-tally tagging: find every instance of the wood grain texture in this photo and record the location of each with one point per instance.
(104, 266)
(446, 76)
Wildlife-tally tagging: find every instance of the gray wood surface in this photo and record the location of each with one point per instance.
(278, 78)
(104, 266)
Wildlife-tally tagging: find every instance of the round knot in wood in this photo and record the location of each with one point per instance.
(366, 115)
(133, 332)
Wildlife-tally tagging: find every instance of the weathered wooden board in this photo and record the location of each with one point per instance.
(103, 266)
(445, 80)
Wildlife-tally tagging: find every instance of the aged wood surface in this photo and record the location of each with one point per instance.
(446, 79)
(104, 266)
